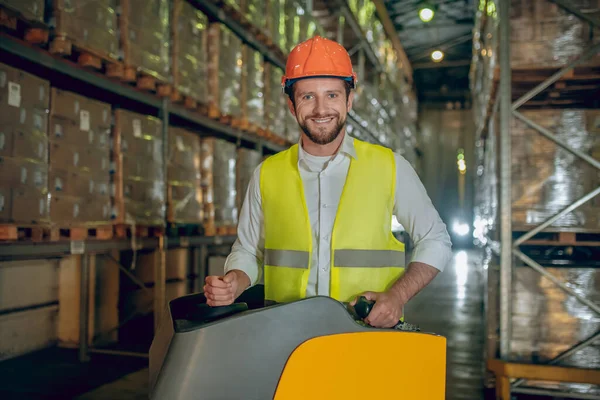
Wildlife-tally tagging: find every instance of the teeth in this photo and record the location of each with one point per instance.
(320, 121)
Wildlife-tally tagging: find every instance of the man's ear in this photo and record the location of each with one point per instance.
(350, 100)
(291, 106)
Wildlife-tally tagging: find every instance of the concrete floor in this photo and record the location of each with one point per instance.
(451, 306)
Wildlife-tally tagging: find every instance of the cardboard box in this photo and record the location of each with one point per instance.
(185, 203)
(18, 88)
(78, 184)
(21, 173)
(33, 10)
(30, 205)
(15, 143)
(87, 113)
(67, 131)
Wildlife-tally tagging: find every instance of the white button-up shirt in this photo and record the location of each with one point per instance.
(323, 179)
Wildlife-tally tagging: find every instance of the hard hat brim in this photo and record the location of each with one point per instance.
(286, 83)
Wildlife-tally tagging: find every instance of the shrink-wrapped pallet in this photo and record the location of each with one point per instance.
(276, 23)
(253, 88)
(32, 10)
(276, 108)
(219, 185)
(255, 12)
(547, 178)
(190, 50)
(225, 72)
(184, 191)
(88, 25)
(137, 162)
(247, 161)
(79, 160)
(24, 101)
(145, 36)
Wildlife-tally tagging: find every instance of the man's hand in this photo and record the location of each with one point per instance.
(387, 310)
(223, 290)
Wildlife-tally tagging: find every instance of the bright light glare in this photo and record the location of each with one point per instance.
(426, 14)
(460, 229)
(437, 56)
(461, 268)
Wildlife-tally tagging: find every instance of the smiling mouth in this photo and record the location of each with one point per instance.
(322, 120)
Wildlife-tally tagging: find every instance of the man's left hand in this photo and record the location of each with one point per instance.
(387, 310)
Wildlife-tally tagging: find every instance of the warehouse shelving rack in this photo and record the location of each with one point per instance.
(66, 74)
(509, 249)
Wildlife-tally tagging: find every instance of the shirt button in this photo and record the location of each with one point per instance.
(324, 269)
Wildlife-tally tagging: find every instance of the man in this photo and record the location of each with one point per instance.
(317, 217)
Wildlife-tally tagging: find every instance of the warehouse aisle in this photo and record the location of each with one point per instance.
(452, 306)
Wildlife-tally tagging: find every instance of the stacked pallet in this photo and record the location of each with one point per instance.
(88, 29)
(275, 103)
(79, 163)
(183, 175)
(145, 42)
(253, 91)
(24, 99)
(138, 170)
(189, 55)
(219, 186)
(225, 71)
(246, 163)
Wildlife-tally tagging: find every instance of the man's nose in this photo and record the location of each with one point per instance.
(320, 108)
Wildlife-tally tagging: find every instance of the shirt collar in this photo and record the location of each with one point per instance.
(347, 148)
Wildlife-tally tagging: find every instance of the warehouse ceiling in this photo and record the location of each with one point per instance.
(450, 30)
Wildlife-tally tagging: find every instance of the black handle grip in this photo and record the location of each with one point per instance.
(363, 307)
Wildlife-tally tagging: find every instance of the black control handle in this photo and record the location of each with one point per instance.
(363, 307)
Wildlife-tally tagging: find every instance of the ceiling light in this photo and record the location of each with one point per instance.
(437, 56)
(426, 14)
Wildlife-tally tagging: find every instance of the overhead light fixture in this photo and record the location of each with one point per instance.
(426, 14)
(437, 56)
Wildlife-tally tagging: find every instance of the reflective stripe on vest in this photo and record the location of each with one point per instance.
(342, 258)
(365, 254)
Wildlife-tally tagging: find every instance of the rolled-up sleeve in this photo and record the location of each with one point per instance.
(415, 212)
(247, 251)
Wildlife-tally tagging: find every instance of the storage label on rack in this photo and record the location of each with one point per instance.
(77, 247)
(137, 128)
(14, 94)
(84, 120)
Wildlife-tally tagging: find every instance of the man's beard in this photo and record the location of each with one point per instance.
(321, 135)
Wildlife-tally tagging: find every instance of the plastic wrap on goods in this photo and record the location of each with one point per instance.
(225, 71)
(275, 101)
(24, 101)
(219, 182)
(79, 159)
(276, 22)
(33, 10)
(546, 321)
(547, 178)
(254, 87)
(247, 161)
(145, 36)
(137, 163)
(184, 173)
(256, 12)
(91, 25)
(189, 49)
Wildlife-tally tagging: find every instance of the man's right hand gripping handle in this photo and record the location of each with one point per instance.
(223, 290)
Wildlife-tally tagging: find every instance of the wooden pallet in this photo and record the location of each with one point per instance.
(189, 102)
(38, 233)
(122, 231)
(30, 31)
(561, 238)
(87, 57)
(212, 230)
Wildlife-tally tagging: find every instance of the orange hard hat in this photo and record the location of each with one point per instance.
(318, 57)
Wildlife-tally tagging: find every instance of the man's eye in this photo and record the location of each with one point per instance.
(332, 95)
(308, 97)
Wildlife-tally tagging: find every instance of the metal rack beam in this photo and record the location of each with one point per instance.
(12, 250)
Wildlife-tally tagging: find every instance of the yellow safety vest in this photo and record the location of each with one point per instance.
(365, 254)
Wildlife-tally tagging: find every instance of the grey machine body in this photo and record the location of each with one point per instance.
(240, 356)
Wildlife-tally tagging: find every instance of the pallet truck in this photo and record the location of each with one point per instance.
(313, 348)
